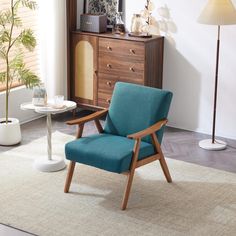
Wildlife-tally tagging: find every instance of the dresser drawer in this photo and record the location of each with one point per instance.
(106, 82)
(104, 99)
(116, 47)
(120, 67)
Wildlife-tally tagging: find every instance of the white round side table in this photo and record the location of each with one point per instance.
(53, 162)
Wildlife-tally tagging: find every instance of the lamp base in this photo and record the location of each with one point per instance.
(208, 145)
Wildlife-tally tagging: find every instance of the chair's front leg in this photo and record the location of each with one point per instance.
(162, 158)
(69, 176)
(131, 174)
(72, 163)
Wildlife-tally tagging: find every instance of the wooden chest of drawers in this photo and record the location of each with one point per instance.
(100, 60)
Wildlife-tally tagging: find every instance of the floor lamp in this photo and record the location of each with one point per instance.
(216, 12)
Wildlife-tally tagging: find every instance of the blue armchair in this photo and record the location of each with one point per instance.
(131, 136)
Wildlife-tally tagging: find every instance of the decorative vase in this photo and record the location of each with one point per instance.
(136, 24)
(119, 27)
(10, 133)
(39, 96)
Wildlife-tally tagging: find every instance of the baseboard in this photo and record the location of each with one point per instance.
(202, 131)
(31, 119)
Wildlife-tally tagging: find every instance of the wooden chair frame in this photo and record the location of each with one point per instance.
(135, 162)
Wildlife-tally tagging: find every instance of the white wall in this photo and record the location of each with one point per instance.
(189, 66)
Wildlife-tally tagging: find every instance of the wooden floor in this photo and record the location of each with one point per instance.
(177, 144)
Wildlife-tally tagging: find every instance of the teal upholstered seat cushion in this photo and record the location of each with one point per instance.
(135, 107)
(106, 151)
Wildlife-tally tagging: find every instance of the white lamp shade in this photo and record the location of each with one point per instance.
(218, 12)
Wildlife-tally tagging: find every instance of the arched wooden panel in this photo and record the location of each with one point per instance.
(84, 70)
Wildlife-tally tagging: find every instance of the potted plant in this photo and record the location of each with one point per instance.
(13, 39)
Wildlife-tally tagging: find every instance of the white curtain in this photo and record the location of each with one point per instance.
(53, 46)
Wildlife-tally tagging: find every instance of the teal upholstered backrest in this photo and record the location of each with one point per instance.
(135, 107)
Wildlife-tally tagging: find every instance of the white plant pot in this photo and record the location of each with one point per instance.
(10, 133)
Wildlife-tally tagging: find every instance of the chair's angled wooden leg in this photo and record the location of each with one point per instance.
(72, 163)
(80, 131)
(165, 167)
(69, 176)
(127, 190)
(98, 125)
(162, 158)
(131, 175)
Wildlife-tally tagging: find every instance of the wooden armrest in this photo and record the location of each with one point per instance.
(94, 116)
(150, 130)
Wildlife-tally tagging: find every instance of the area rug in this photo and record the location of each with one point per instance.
(200, 201)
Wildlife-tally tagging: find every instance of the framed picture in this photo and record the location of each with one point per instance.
(108, 7)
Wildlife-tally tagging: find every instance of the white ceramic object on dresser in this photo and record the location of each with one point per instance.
(10, 133)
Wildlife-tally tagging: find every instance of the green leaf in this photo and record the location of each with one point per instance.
(17, 62)
(17, 21)
(5, 17)
(2, 77)
(29, 4)
(4, 36)
(28, 78)
(27, 39)
(3, 53)
(17, 5)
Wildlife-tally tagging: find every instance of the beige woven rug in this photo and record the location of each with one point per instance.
(201, 201)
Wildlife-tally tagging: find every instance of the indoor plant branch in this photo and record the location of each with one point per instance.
(10, 49)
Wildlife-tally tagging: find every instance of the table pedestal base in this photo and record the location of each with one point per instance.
(45, 165)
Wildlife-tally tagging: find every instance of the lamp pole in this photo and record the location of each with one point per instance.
(216, 85)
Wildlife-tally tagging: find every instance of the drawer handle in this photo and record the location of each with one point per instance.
(132, 51)
(132, 69)
(109, 66)
(108, 100)
(109, 48)
(109, 83)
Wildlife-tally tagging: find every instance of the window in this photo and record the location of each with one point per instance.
(30, 20)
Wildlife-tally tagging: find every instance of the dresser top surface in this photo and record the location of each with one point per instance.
(120, 37)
